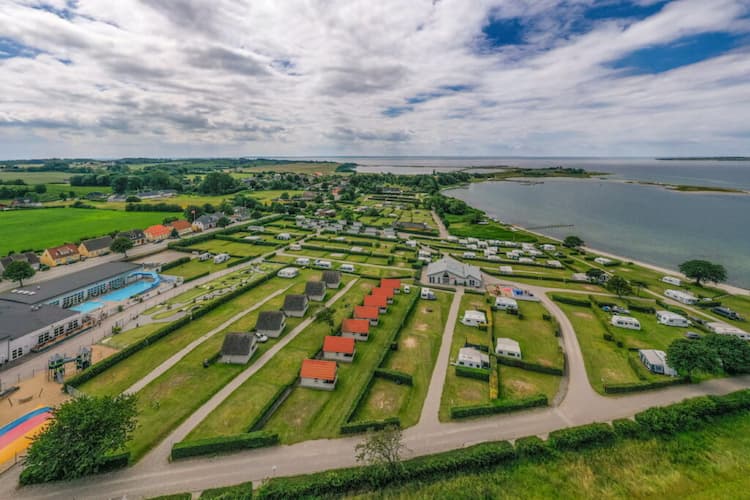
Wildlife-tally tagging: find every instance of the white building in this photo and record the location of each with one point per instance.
(656, 362)
(474, 318)
(449, 271)
(680, 296)
(505, 304)
(525, 260)
(669, 318)
(295, 246)
(323, 264)
(554, 263)
(469, 255)
(288, 272)
(472, 358)
(548, 248)
(625, 322)
(508, 347)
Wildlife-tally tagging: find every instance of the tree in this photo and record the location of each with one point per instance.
(223, 222)
(216, 183)
(121, 245)
(120, 184)
(18, 270)
(572, 242)
(703, 270)
(688, 357)
(284, 196)
(594, 274)
(174, 233)
(325, 315)
(619, 286)
(83, 432)
(40, 188)
(733, 352)
(381, 448)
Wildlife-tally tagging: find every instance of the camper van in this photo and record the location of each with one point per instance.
(302, 261)
(427, 294)
(671, 319)
(672, 281)
(323, 264)
(680, 296)
(220, 258)
(347, 268)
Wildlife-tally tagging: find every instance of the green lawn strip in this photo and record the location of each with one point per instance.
(231, 247)
(547, 283)
(127, 372)
(196, 267)
(235, 413)
(535, 335)
(300, 418)
(167, 401)
(418, 347)
(518, 383)
(55, 226)
(461, 225)
(124, 339)
(706, 464)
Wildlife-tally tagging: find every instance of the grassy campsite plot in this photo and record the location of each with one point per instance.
(232, 248)
(535, 335)
(197, 267)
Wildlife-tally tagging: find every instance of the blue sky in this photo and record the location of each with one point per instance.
(446, 77)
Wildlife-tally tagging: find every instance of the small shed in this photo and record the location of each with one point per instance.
(315, 291)
(332, 279)
(339, 348)
(295, 305)
(270, 323)
(318, 374)
(238, 348)
(357, 329)
(378, 301)
(384, 292)
(508, 348)
(392, 283)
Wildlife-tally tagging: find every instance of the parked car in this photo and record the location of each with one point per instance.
(726, 312)
(260, 337)
(620, 310)
(692, 336)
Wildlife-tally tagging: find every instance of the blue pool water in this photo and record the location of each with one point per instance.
(132, 290)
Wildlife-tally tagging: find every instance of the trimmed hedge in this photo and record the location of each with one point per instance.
(570, 301)
(240, 261)
(394, 375)
(110, 361)
(476, 373)
(532, 367)
(267, 407)
(242, 491)
(364, 426)
(531, 446)
(498, 406)
(626, 428)
(575, 438)
(175, 263)
(223, 444)
(197, 276)
(686, 415)
(644, 386)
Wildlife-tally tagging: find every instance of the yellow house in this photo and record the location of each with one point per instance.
(64, 254)
(95, 247)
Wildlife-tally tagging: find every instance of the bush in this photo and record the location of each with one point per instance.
(498, 406)
(242, 491)
(626, 428)
(531, 446)
(642, 386)
(571, 301)
(733, 402)
(476, 373)
(394, 375)
(364, 426)
(686, 415)
(223, 444)
(583, 436)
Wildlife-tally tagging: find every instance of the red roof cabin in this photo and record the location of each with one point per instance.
(368, 313)
(318, 374)
(392, 283)
(339, 348)
(384, 292)
(356, 329)
(378, 301)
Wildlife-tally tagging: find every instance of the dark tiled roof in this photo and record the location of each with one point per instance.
(315, 288)
(95, 244)
(331, 277)
(237, 344)
(269, 320)
(295, 302)
(133, 234)
(20, 319)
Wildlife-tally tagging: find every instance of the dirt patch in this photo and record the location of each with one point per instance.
(409, 342)
(521, 388)
(32, 393)
(383, 401)
(583, 315)
(99, 352)
(421, 326)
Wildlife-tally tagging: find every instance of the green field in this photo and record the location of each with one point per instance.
(55, 226)
(461, 225)
(36, 177)
(196, 267)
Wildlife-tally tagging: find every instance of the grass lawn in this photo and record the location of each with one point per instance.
(418, 346)
(127, 372)
(183, 200)
(196, 267)
(124, 339)
(313, 414)
(172, 397)
(232, 248)
(55, 226)
(36, 177)
(460, 225)
(536, 336)
(517, 383)
(705, 464)
(244, 404)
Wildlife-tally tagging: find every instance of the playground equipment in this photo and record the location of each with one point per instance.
(16, 436)
(57, 362)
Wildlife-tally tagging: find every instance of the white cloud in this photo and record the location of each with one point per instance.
(188, 77)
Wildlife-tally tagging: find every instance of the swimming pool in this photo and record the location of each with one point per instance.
(124, 293)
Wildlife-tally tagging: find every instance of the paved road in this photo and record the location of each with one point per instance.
(442, 230)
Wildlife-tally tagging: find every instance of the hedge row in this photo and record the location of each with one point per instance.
(197, 276)
(691, 413)
(583, 436)
(364, 426)
(394, 375)
(640, 308)
(571, 300)
(223, 444)
(498, 406)
(110, 361)
(267, 407)
(175, 263)
(476, 373)
(240, 261)
(242, 491)
(347, 242)
(532, 367)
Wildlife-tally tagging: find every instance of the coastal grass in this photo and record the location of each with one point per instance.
(55, 226)
(314, 414)
(702, 464)
(235, 414)
(418, 346)
(462, 226)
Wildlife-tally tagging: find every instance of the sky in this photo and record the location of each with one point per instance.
(179, 78)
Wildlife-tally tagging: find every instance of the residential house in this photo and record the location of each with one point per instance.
(656, 362)
(318, 374)
(357, 329)
(182, 227)
(473, 358)
(136, 236)
(449, 271)
(315, 290)
(378, 301)
(30, 257)
(238, 348)
(332, 279)
(366, 312)
(295, 305)
(206, 221)
(64, 254)
(508, 348)
(158, 232)
(270, 323)
(474, 318)
(339, 349)
(95, 247)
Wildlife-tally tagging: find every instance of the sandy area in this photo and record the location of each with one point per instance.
(33, 393)
(162, 257)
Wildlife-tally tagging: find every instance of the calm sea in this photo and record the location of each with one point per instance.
(642, 222)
